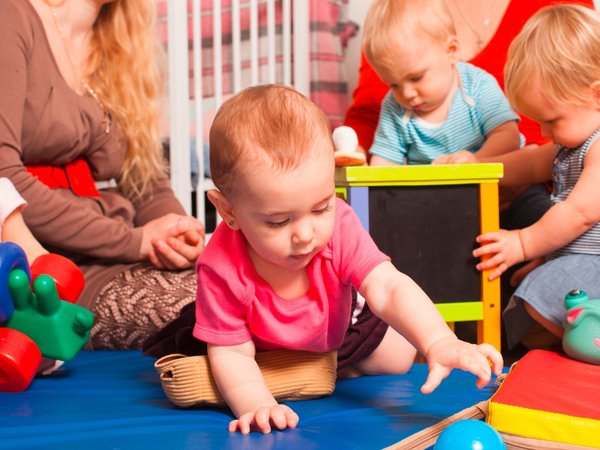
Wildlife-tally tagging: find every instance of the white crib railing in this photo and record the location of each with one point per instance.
(186, 114)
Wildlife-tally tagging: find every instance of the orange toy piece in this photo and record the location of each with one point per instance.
(349, 159)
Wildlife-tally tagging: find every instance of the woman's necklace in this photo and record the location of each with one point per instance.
(106, 117)
(485, 24)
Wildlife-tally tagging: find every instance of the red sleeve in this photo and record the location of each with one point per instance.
(363, 113)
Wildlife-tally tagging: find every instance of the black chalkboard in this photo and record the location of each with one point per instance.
(429, 232)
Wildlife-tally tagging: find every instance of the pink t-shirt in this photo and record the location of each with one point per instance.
(234, 305)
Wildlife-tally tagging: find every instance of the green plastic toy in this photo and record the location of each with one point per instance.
(59, 328)
(582, 327)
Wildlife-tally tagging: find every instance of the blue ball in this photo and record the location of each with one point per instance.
(469, 434)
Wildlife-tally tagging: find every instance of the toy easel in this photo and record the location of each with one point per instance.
(426, 218)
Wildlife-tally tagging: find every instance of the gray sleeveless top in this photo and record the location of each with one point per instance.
(566, 170)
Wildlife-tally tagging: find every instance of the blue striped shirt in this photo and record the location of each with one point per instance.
(566, 170)
(478, 107)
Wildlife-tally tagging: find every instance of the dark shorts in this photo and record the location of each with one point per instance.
(526, 209)
(361, 339)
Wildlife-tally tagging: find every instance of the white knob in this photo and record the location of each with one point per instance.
(345, 139)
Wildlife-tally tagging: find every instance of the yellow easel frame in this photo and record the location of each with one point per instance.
(486, 311)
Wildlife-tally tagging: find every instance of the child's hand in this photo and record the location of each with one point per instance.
(449, 353)
(279, 416)
(459, 157)
(506, 248)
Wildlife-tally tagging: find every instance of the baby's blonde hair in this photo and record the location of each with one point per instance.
(558, 52)
(269, 120)
(123, 68)
(389, 22)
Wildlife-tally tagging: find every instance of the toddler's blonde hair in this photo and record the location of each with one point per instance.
(389, 22)
(558, 51)
(269, 120)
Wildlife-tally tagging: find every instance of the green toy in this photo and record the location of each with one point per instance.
(59, 328)
(582, 327)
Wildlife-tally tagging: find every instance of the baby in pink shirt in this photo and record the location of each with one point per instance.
(236, 306)
(279, 269)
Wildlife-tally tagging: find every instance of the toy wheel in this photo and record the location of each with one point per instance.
(66, 275)
(19, 360)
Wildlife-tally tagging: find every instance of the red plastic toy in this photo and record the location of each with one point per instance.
(38, 316)
(19, 360)
(66, 275)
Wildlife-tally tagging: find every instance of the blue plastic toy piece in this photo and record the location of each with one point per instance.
(59, 328)
(469, 434)
(582, 327)
(11, 257)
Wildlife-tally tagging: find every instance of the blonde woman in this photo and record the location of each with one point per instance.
(79, 105)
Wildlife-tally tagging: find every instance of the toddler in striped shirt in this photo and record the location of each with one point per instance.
(438, 109)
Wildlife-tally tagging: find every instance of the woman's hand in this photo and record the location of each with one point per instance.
(180, 251)
(173, 241)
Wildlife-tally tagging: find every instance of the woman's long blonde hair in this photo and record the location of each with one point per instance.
(123, 69)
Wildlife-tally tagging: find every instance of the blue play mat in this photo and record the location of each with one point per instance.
(113, 400)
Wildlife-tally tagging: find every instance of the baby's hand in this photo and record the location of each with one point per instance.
(506, 250)
(459, 157)
(449, 353)
(279, 416)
